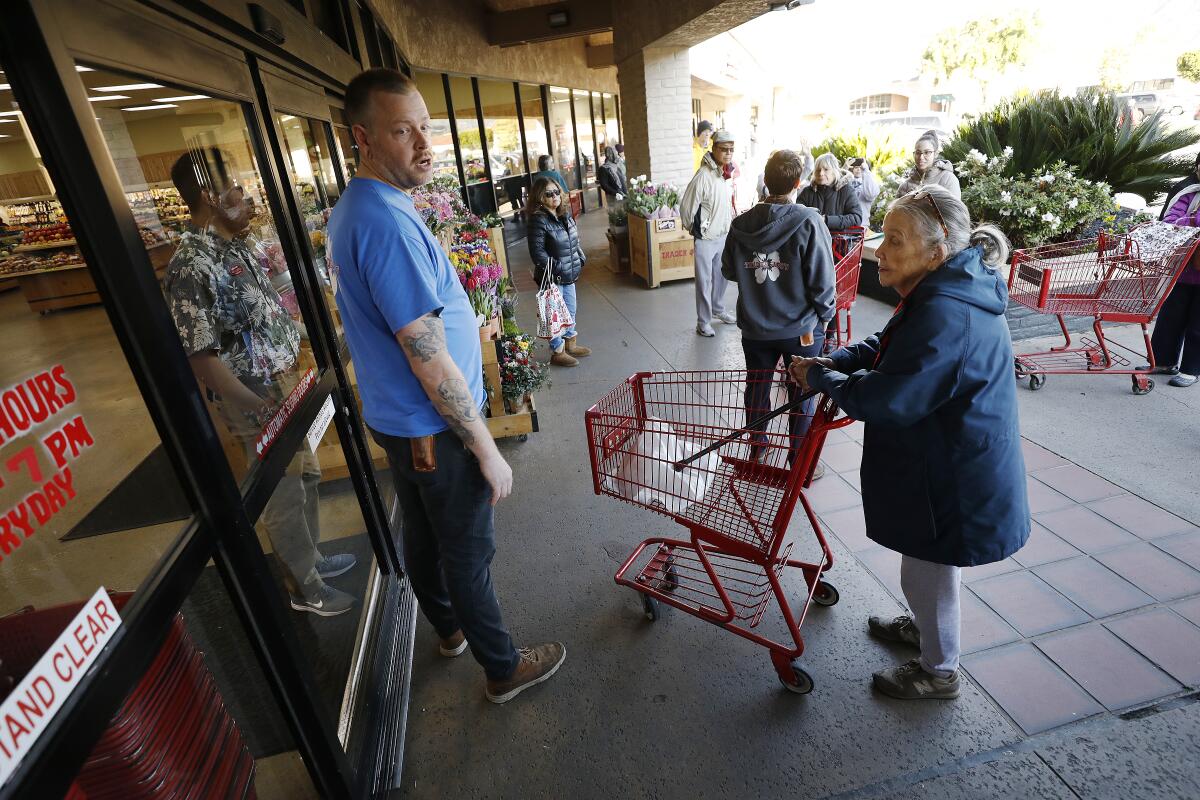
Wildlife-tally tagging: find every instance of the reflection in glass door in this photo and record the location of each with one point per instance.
(480, 196)
(562, 135)
(188, 165)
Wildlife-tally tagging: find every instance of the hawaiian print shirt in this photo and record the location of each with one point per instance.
(222, 300)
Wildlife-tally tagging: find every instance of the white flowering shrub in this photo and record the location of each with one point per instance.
(1053, 205)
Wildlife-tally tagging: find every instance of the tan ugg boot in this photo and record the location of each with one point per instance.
(578, 351)
(560, 358)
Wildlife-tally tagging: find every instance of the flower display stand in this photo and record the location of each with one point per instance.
(500, 422)
(660, 250)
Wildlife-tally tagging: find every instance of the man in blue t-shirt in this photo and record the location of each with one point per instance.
(415, 343)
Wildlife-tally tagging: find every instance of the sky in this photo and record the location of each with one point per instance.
(869, 42)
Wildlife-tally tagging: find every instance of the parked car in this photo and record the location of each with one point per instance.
(911, 124)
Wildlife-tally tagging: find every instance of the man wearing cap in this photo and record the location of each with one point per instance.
(707, 210)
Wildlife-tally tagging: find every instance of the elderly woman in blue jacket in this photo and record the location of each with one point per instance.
(943, 478)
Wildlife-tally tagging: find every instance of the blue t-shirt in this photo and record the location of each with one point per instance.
(388, 272)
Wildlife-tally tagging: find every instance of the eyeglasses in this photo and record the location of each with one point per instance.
(551, 193)
(924, 152)
(927, 195)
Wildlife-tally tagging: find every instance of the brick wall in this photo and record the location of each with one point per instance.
(656, 114)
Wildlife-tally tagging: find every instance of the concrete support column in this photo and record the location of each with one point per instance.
(656, 114)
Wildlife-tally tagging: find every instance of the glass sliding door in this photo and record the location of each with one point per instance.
(562, 136)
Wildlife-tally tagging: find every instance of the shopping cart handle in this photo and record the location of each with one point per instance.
(765, 418)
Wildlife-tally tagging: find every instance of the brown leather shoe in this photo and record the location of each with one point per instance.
(578, 351)
(537, 664)
(560, 358)
(453, 647)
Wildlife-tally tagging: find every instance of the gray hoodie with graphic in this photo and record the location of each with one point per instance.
(781, 257)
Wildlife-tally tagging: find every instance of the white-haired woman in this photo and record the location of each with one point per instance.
(831, 194)
(929, 168)
(943, 477)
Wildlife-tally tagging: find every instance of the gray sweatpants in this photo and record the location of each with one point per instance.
(710, 283)
(932, 593)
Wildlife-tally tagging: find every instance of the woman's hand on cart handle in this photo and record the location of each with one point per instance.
(798, 369)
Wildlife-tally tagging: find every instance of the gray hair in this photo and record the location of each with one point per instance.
(830, 162)
(923, 207)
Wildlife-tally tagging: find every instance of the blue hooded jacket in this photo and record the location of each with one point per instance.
(943, 476)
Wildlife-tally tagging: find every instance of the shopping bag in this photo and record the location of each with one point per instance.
(646, 474)
(554, 318)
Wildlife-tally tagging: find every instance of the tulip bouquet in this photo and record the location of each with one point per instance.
(440, 204)
(651, 200)
(480, 273)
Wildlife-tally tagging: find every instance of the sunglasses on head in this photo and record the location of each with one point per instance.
(924, 194)
(551, 193)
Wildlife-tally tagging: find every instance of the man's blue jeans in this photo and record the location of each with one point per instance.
(449, 542)
(568, 293)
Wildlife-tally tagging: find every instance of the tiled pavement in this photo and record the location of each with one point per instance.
(1099, 611)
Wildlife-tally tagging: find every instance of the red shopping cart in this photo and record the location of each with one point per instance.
(1113, 278)
(847, 261)
(696, 447)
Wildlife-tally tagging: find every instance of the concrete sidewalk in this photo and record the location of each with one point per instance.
(679, 708)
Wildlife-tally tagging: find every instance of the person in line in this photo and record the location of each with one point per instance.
(415, 341)
(707, 209)
(554, 237)
(865, 187)
(621, 162)
(831, 195)
(929, 168)
(701, 143)
(546, 170)
(612, 175)
(243, 347)
(943, 476)
(780, 255)
(810, 163)
(1176, 339)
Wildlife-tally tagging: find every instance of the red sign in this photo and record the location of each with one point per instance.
(284, 413)
(27, 712)
(24, 407)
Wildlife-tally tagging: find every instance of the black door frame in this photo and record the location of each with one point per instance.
(41, 70)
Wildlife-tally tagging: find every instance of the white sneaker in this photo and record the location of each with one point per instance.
(728, 317)
(705, 330)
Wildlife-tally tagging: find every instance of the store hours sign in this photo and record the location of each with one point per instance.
(29, 415)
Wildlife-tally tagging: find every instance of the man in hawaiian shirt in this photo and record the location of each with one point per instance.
(243, 347)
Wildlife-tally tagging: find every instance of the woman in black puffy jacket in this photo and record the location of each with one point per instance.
(831, 194)
(553, 236)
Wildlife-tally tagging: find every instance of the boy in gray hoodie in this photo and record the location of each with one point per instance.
(781, 257)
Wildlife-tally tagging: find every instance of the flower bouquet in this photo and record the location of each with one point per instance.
(520, 373)
(650, 200)
(440, 204)
(477, 268)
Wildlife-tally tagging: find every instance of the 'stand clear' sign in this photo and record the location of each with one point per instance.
(26, 713)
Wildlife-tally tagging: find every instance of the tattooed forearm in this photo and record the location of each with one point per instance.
(426, 344)
(457, 406)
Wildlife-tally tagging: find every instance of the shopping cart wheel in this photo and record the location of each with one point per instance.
(1036, 382)
(670, 576)
(650, 607)
(826, 594)
(1142, 384)
(801, 682)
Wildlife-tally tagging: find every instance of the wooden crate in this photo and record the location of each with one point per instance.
(496, 240)
(660, 250)
(618, 252)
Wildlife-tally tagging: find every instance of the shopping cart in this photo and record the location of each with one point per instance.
(1115, 278)
(698, 448)
(847, 261)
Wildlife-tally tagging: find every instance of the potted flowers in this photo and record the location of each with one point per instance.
(520, 373)
(660, 248)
